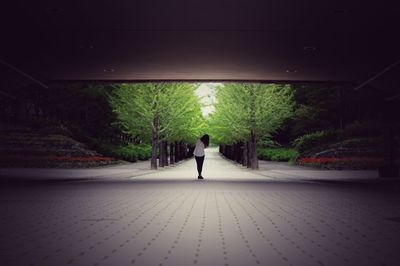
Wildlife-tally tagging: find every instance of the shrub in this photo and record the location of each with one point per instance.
(268, 143)
(128, 152)
(277, 154)
(354, 163)
(365, 142)
(315, 139)
(55, 129)
(364, 129)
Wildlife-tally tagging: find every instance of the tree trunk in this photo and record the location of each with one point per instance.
(234, 152)
(177, 152)
(153, 163)
(252, 147)
(185, 151)
(154, 143)
(245, 153)
(171, 153)
(237, 152)
(165, 144)
(248, 154)
(162, 154)
(253, 151)
(240, 152)
(181, 151)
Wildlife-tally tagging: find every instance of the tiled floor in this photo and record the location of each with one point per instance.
(233, 217)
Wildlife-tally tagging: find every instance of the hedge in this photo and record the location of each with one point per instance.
(314, 140)
(128, 152)
(277, 154)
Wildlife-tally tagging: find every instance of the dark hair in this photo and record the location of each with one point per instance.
(206, 140)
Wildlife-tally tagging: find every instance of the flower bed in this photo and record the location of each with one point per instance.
(352, 162)
(56, 158)
(55, 161)
(48, 150)
(335, 159)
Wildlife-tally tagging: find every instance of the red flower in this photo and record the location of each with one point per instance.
(337, 159)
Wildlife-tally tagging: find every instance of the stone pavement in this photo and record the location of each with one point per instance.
(74, 174)
(233, 217)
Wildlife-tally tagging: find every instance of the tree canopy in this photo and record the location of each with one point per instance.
(244, 108)
(158, 111)
(245, 112)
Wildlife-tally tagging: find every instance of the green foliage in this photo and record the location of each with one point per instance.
(347, 164)
(370, 128)
(72, 105)
(174, 105)
(242, 108)
(332, 106)
(277, 154)
(268, 143)
(318, 108)
(315, 139)
(128, 152)
(362, 142)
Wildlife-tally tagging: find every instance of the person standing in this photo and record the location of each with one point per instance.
(199, 155)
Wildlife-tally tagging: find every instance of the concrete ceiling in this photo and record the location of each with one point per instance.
(275, 40)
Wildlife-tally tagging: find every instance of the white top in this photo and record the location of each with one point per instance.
(199, 149)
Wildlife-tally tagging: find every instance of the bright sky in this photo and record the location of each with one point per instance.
(206, 93)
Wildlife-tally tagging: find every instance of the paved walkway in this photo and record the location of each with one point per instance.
(233, 217)
(121, 170)
(216, 168)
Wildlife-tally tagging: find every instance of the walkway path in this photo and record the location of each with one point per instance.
(216, 168)
(168, 217)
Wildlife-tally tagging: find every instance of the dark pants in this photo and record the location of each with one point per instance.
(199, 161)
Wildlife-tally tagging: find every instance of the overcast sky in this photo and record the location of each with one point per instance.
(206, 92)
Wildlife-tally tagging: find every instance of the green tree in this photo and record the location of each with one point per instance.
(157, 112)
(332, 107)
(82, 108)
(246, 112)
